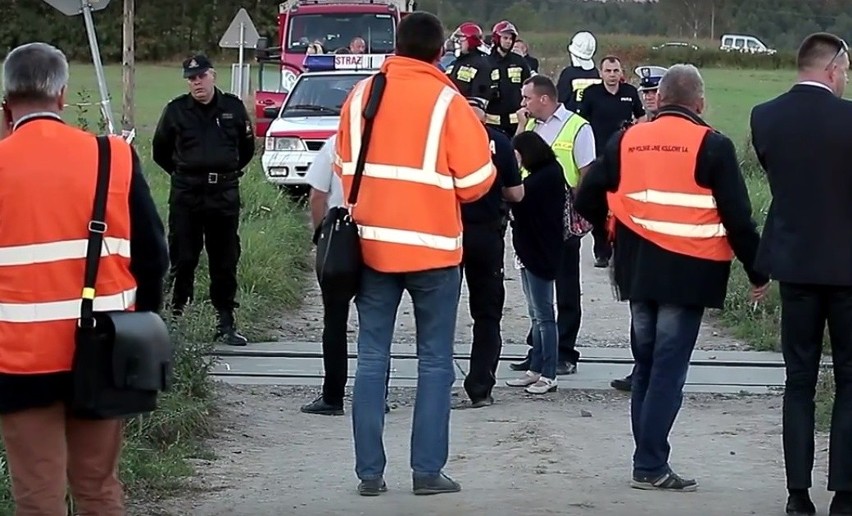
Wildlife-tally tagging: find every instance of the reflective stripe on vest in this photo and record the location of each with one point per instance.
(563, 147)
(407, 211)
(43, 249)
(428, 174)
(658, 197)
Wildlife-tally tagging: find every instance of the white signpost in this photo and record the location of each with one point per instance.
(86, 8)
(241, 34)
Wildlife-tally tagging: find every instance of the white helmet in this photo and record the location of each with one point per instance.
(582, 50)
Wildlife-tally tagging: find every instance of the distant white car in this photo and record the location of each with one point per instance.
(311, 114)
(675, 44)
(744, 43)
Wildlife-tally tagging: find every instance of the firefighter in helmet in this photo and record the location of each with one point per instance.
(581, 73)
(471, 70)
(509, 72)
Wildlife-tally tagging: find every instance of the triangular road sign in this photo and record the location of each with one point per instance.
(75, 7)
(231, 38)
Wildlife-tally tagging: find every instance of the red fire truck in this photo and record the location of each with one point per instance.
(306, 26)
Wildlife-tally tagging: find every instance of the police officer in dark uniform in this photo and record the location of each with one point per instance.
(510, 70)
(471, 70)
(483, 248)
(203, 141)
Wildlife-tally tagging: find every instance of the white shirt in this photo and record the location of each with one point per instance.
(321, 176)
(584, 142)
(815, 83)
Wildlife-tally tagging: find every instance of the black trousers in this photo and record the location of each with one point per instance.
(602, 247)
(805, 310)
(482, 267)
(190, 230)
(335, 352)
(568, 303)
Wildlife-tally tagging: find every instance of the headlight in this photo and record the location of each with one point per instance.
(275, 143)
(288, 79)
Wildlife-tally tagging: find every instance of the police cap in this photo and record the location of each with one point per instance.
(649, 77)
(196, 65)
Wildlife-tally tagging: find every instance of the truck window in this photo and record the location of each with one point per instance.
(336, 30)
(752, 44)
(728, 41)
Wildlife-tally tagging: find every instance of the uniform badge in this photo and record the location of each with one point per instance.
(227, 116)
(645, 72)
(193, 64)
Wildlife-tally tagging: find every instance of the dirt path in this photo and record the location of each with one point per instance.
(567, 454)
(605, 321)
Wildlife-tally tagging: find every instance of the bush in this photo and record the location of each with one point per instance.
(637, 50)
(275, 244)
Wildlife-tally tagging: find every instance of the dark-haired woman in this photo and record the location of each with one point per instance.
(537, 235)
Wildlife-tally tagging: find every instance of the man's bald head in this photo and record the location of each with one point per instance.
(682, 85)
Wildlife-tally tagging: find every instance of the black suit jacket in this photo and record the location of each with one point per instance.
(803, 139)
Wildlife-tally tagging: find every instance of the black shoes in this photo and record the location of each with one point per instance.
(423, 485)
(799, 503)
(372, 487)
(520, 366)
(320, 407)
(670, 481)
(601, 263)
(226, 330)
(440, 484)
(841, 505)
(623, 384)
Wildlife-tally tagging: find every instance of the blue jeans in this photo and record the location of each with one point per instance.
(539, 294)
(435, 295)
(663, 337)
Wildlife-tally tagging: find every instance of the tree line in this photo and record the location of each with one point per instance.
(167, 29)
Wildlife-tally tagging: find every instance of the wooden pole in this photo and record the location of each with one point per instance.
(128, 70)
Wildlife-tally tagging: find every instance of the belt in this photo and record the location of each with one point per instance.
(212, 178)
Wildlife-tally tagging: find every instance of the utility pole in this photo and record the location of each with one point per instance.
(128, 66)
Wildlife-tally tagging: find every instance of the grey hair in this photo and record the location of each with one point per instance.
(681, 85)
(35, 72)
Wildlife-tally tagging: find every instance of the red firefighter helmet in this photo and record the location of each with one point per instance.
(470, 32)
(503, 27)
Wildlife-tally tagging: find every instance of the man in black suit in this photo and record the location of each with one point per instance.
(802, 139)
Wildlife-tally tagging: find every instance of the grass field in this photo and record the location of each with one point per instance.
(274, 257)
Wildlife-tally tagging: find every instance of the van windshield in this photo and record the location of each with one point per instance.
(337, 30)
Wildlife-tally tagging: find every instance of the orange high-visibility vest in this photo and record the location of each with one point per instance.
(658, 197)
(427, 154)
(48, 172)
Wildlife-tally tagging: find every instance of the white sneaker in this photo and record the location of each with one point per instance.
(528, 378)
(542, 386)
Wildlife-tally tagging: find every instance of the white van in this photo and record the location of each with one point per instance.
(744, 43)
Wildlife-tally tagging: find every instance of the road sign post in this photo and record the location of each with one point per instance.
(86, 8)
(241, 34)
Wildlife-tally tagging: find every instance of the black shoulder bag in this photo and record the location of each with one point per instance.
(339, 262)
(122, 359)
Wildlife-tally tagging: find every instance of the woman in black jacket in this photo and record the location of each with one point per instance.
(537, 235)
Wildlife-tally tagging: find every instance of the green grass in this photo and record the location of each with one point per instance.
(275, 244)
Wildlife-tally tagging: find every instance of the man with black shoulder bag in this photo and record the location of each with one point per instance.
(82, 261)
(338, 266)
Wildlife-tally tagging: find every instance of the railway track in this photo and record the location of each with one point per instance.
(301, 364)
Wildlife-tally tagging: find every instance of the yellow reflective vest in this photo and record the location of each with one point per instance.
(563, 147)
